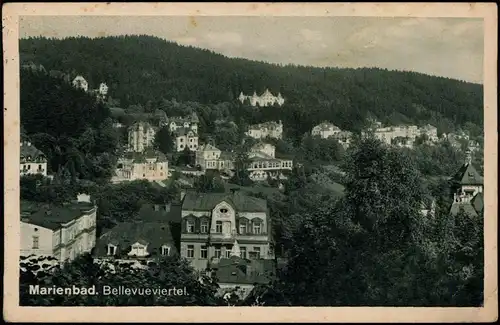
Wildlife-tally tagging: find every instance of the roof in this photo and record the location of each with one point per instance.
(226, 155)
(208, 147)
(268, 125)
(140, 157)
(29, 150)
(52, 216)
(468, 208)
(183, 131)
(467, 175)
(472, 207)
(244, 271)
(478, 202)
(194, 201)
(261, 156)
(326, 126)
(160, 213)
(125, 234)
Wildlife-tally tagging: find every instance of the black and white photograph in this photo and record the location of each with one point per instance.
(250, 160)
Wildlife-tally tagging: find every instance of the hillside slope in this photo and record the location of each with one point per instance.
(141, 69)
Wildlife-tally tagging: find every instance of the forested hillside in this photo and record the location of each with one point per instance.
(147, 70)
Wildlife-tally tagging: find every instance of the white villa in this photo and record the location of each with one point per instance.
(141, 135)
(32, 161)
(263, 162)
(150, 165)
(267, 129)
(80, 83)
(266, 99)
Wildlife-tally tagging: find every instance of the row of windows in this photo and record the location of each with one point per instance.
(192, 146)
(254, 254)
(138, 250)
(243, 227)
(28, 167)
(190, 140)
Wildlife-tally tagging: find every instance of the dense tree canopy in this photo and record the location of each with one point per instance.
(344, 96)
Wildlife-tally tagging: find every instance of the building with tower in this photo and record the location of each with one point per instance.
(266, 99)
(467, 188)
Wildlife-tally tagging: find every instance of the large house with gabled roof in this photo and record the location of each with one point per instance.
(467, 188)
(150, 165)
(137, 241)
(212, 223)
(32, 161)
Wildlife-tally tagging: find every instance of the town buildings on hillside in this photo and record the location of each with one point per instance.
(189, 122)
(150, 165)
(81, 83)
(62, 232)
(269, 129)
(266, 99)
(213, 223)
(404, 135)
(141, 136)
(32, 160)
(262, 161)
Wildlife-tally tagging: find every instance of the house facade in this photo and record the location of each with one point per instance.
(189, 122)
(32, 161)
(213, 222)
(63, 232)
(150, 165)
(325, 130)
(185, 138)
(266, 99)
(267, 129)
(261, 166)
(141, 136)
(80, 83)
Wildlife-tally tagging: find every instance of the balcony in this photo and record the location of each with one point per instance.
(194, 237)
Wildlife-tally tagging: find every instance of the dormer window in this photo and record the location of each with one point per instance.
(111, 249)
(190, 226)
(138, 249)
(165, 250)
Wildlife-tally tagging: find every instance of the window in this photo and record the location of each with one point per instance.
(256, 253)
(35, 242)
(228, 253)
(217, 252)
(189, 226)
(243, 226)
(165, 250)
(218, 227)
(256, 227)
(181, 146)
(111, 249)
(29, 166)
(39, 167)
(203, 252)
(243, 251)
(190, 251)
(204, 227)
(181, 140)
(223, 210)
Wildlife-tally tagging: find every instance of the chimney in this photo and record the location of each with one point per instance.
(468, 157)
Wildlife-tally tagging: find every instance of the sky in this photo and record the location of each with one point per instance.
(448, 47)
